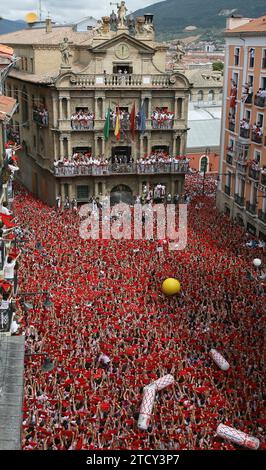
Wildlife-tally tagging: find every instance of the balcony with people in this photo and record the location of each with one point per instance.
(254, 170)
(247, 93)
(244, 129)
(40, 115)
(231, 122)
(230, 153)
(257, 133)
(263, 175)
(82, 120)
(161, 118)
(260, 98)
(87, 164)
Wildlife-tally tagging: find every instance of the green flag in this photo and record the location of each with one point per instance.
(106, 130)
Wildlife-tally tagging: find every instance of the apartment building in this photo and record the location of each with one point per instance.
(242, 185)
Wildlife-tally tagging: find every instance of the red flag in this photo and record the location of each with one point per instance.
(6, 219)
(133, 121)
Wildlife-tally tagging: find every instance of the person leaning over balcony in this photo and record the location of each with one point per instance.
(9, 268)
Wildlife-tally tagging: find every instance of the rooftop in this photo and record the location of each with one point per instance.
(256, 25)
(7, 107)
(204, 78)
(204, 127)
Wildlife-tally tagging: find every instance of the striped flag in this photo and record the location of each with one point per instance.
(117, 124)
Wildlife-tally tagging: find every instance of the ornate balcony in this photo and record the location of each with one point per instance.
(244, 133)
(240, 201)
(262, 216)
(122, 169)
(121, 81)
(251, 208)
(259, 101)
(256, 137)
(254, 174)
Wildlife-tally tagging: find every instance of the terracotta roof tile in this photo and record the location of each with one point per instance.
(7, 106)
(255, 25)
(37, 36)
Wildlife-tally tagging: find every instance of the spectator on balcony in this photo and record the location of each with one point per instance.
(162, 119)
(257, 129)
(261, 93)
(244, 124)
(233, 96)
(247, 92)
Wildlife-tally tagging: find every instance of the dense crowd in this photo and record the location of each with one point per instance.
(162, 119)
(111, 331)
(82, 119)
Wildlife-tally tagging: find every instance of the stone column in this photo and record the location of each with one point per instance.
(237, 184)
(60, 108)
(149, 143)
(69, 148)
(68, 109)
(103, 145)
(174, 145)
(95, 145)
(55, 112)
(141, 146)
(61, 143)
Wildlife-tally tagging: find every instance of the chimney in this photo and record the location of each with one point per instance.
(48, 22)
(148, 18)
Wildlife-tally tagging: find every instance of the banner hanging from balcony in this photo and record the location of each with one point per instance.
(117, 124)
(142, 119)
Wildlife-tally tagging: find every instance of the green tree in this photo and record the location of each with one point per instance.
(218, 66)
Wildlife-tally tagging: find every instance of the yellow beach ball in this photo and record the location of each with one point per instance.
(171, 286)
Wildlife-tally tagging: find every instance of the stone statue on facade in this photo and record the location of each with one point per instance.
(65, 53)
(140, 20)
(113, 21)
(179, 51)
(131, 23)
(122, 13)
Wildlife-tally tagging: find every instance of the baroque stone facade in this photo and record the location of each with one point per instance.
(114, 65)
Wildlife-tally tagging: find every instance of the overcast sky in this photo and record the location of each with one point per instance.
(65, 10)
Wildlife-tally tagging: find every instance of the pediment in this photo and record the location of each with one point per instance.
(122, 38)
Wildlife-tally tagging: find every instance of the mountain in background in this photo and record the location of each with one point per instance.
(8, 26)
(171, 17)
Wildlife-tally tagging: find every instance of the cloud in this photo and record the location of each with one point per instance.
(66, 10)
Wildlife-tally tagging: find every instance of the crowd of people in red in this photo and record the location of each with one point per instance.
(111, 331)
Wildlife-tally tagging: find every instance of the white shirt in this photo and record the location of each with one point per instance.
(9, 269)
(4, 210)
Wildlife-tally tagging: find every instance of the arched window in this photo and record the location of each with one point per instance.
(204, 164)
(210, 96)
(200, 95)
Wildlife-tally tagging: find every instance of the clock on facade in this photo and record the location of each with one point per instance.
(122, 51)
